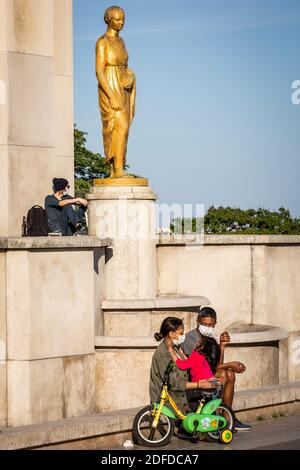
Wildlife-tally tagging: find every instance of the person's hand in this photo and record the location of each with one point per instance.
(116, 103)
(83, 202)
(237, 367)
(169, 343)
(212, 383)
(224, 339)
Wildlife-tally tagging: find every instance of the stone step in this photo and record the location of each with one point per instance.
(161, 302)
(267, 334)
(101, 431)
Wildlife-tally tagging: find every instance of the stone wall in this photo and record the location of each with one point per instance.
(249, 279)
(246, 279)
(47, 327)
(36, 104)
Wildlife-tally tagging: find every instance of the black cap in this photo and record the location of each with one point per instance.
(59, 184)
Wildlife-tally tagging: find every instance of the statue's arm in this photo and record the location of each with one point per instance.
(132, 102)
(100, 67)
(100, 72)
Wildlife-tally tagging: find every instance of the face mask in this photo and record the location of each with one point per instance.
(207, 330)
(179, 341)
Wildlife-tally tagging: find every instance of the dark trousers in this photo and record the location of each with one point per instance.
(69, 218)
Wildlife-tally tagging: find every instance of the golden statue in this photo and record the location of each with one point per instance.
(117, 91)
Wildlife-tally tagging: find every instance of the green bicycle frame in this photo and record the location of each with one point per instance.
(202, 421)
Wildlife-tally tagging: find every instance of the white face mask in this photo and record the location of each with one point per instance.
(207, 331)
(179, 341)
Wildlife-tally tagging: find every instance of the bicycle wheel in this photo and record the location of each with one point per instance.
(143, 433)
(229, 415)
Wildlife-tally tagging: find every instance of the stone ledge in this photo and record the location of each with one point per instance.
(121, 193)
(66, 430)
(268, 396)
(45, 243)
(86, 427)
(162, 302)
(245, 334)
(129, 342)
(117, 197)
(165, 240)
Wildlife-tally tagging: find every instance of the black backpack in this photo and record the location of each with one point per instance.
(37, 222)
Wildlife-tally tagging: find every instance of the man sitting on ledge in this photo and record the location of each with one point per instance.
(62, 218)
(206, 321)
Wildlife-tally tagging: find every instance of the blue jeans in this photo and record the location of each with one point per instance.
(69, 218)
(66, 220)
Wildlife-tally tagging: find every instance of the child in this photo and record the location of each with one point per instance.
(202, 362)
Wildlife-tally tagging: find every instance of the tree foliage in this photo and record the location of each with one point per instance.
(228, 220)
(88, 165)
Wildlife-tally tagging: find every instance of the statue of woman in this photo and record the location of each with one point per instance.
(117, 91)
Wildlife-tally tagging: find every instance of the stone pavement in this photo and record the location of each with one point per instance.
(281, 433)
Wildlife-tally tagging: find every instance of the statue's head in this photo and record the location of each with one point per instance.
(115, 18)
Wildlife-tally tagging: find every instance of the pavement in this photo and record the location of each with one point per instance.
(274, 434)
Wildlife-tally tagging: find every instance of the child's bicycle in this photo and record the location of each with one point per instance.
(154, 425)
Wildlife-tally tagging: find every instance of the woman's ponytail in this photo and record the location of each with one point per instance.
(158, 336)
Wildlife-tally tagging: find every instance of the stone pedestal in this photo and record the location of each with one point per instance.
(127, 215)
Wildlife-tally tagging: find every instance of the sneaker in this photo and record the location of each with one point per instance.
(80, 230)
(240, 427)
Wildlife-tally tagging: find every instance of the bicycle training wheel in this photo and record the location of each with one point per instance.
(229, 415)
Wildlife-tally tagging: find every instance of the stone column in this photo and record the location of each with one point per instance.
(36, 131)
(63, 89)
(127, 215)
(3, 353)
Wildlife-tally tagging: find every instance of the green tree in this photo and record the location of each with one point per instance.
(88, 165)
(228, 220)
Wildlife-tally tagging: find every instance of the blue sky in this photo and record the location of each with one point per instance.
(215, 123)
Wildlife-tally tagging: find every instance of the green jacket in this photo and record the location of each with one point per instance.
(177, 379)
